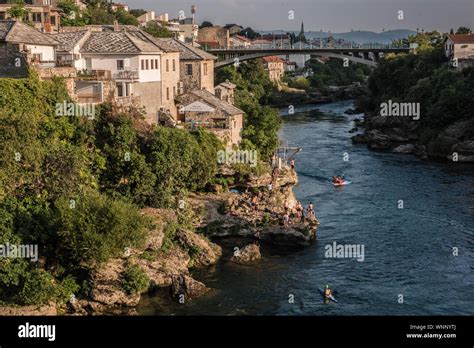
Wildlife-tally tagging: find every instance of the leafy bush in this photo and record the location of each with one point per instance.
(96, 229)
(181, 161)
(134, 280)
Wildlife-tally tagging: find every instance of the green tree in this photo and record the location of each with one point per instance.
(250, 33)
(18, 10)
(158, 30)
(463, 30)
(206, 24)
(254, 90)
(138, 12)
(125, 18)
(71, 15)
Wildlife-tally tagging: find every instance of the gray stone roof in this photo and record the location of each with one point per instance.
(227, 85)
(209, 99)
(68, 40)
(118, 42)
(188, 52)
(121, 40)
(18, 32)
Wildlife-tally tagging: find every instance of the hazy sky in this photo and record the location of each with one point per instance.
(334, 15)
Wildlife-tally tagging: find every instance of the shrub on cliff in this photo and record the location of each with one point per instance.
(126, 173)
(134, 280)
(93, 228)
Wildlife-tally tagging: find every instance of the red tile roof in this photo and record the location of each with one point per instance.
(273, 59)
(462, 39)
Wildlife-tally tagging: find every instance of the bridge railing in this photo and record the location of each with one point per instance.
(297, 47)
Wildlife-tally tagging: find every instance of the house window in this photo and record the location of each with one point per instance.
(167, 93)
(152, 62)
(156, 64)
(167, 65)
(189, 69)
(36, 17)
(53, 20)
(120, 91)
(147, 66)
(2, 16)
(174, 92)
(205, 69)
(174, 65)
(120, 64)
(143, 65)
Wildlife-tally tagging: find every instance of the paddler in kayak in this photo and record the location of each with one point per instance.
(337, 180)
(327, 292)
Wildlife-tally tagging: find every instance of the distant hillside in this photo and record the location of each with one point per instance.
(356, 36)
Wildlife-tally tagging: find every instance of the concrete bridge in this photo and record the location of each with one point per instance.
(367, 56)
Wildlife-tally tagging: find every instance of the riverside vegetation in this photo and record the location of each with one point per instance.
(103, 198)
(446, 127)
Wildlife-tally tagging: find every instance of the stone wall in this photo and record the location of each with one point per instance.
(170, 81)
(68, 74)
(215, 34)
(9, 54)
(199, 79)
(150, 98)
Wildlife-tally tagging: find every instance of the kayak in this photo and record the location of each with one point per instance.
(344, 183)
(332, 298)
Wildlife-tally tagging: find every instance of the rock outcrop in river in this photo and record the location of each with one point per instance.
(258, 211)
(408, 136)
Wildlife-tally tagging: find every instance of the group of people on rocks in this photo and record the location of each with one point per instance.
(298, 213)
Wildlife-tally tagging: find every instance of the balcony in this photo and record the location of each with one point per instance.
(128, 75)
(94, 75)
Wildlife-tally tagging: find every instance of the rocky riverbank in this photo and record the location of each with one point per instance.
(263, 209)
(406, 136)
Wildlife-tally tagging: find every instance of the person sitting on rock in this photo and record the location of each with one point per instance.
(310, 211)
(286, 220)
(292, 164)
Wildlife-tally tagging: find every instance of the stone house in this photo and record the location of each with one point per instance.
(196, 67)
(42, 13)
(275, 66)
(201, 108)
(225, 92)
(22, 46)
(215, 34)
(114, 64)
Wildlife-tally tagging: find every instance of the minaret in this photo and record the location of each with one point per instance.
(193, 11)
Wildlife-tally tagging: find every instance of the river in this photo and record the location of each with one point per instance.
(411, 264)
